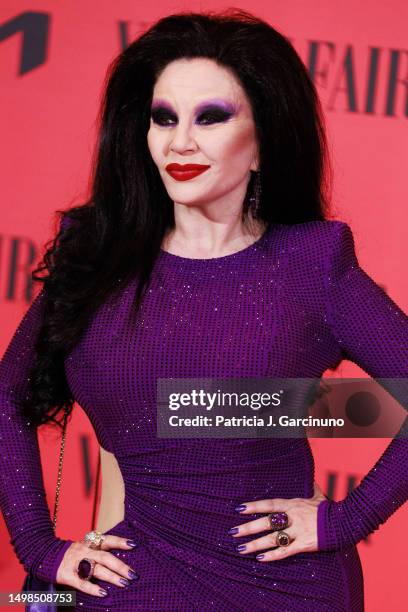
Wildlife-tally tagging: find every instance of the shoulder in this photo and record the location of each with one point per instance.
(317, 242)
(325, 233)
(313, 254)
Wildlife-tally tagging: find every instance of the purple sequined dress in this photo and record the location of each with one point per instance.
(292, 304)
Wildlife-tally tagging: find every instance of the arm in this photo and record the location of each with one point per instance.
(22, 494)
(373, 333)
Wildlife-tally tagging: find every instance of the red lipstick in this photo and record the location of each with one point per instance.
(185, 172)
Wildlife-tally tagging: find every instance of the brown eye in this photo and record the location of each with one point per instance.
(213, 116)
(162, 117)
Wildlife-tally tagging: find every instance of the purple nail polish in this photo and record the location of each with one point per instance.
(131, 543)
(233, 530)
(240, 508)
(261, 556)
(241, 547)
(124, 581)
(132, 575)
(102, 592)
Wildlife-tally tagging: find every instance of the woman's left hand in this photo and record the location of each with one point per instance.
(302, 526)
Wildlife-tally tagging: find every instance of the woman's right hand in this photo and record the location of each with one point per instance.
(107, 567)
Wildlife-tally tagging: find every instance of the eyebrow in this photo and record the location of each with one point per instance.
(225, 105)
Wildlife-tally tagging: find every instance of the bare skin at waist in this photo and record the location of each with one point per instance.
(112, 505)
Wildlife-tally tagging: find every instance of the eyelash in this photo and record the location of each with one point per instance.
(159, 117)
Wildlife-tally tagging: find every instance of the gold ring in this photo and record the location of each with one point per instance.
(278, 521)
(94, 539)
(282, 538)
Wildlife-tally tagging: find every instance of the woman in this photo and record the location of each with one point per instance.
(204, 251)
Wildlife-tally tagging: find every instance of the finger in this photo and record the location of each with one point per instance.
(279, 553)
(256, 526)
(264, 542)
(113, 563)
(265, 505)
(112, 541)
(103, 573)
(67, 573)
(85, 586)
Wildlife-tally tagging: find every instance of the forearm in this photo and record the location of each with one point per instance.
(372, 331)
(22, 494)
(381, 492)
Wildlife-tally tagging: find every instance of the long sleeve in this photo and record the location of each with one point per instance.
(22, 494)
(373, 333)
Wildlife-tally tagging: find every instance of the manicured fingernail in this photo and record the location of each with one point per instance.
(240, 508)
(124, 581)
(131, 543)
(132, 575)
(233, 530)
(260, 556)
(102, 592)
(241, 547)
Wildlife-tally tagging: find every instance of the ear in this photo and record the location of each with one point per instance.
(255, 162)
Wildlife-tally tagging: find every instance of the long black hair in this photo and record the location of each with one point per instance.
(118, 232)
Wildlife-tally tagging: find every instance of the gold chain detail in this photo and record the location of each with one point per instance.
(61, 459)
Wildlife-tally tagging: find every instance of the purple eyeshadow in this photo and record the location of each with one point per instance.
(226, 107)
(161, 104)
(209, 105)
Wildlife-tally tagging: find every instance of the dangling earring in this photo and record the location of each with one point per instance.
(255, 198)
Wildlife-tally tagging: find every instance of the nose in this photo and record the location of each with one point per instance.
(182, 139)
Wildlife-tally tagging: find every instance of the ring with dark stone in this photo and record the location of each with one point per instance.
(282, 538)
(278, 520)
(85, 568)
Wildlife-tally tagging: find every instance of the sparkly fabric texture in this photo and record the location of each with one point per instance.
(292, 304)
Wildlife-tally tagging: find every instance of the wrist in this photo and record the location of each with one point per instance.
(323, 541)
(330, 515)
(340, 524)
(48, 563)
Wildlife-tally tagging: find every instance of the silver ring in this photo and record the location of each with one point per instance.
(94, 539)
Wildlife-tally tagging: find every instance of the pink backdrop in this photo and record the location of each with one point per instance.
(53, 59)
